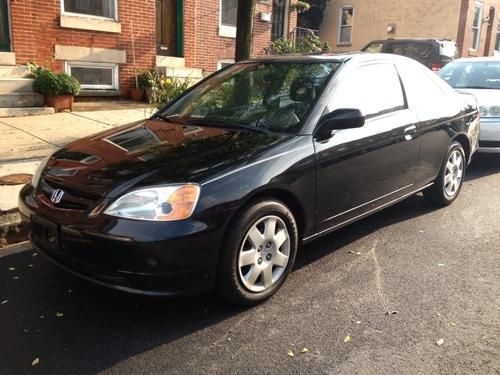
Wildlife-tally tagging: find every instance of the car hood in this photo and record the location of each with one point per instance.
(484, 96)
(153, 152)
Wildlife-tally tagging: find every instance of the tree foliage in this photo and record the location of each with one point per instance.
(312, 17)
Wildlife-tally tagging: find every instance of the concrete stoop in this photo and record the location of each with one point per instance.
(11, 230)
(25, 111)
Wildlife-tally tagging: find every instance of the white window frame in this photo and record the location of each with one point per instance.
(224, 61)
(114, 18)
(340, 24)
(476, 40)
(227, 31)
(81, 64)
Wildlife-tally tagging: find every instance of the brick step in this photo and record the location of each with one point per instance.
(21, 99)
(191, 73)
(18, 71)
(26, 111)
(8, 85)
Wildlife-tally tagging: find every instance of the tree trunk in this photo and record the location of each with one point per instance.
(244, 25)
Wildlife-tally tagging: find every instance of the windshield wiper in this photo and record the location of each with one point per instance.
(474, 87)
(221, 123)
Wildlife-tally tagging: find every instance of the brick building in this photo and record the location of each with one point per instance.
(92, 39)
(474, 24)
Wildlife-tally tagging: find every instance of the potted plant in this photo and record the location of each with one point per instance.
(58, 89)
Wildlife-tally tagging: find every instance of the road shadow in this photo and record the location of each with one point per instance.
(73, 326)
(483, 165)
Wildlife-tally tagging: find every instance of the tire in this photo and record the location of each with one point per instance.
(450, 179)
(255, 260)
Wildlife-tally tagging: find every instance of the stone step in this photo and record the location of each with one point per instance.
(7, 58)
(170, 61)
(26, 111)
(8, 85)
(191, 73)
(21, 99)
(18, 71)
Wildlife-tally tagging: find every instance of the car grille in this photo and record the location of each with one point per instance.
(71, 200)
(489, 143)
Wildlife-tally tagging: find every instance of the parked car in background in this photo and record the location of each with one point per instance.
(433, 53)
(219, 189)
(480, 77)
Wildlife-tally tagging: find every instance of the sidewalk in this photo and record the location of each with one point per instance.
(24, 141)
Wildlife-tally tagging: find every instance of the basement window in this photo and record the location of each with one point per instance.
(95, 8)
(94, 76)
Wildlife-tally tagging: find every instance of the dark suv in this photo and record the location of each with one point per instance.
(433, 53)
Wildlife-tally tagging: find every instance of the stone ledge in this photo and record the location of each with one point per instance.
(104, 55)
(90, 23)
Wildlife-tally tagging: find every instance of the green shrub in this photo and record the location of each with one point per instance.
(164, 89)
(50, 84)
(309, 43)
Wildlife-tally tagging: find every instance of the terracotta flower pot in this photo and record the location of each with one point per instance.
(60, 102)
(137, 94)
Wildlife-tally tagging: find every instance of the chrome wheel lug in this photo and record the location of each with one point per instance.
(259, 261)
(268, 257)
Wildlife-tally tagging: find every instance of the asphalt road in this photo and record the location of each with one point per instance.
(437, 271)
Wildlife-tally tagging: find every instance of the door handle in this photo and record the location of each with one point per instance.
(409, 131)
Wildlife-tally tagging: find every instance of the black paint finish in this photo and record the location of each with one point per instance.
(327, 183)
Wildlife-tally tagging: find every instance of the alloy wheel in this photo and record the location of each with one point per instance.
(264, 253)
(454, 173)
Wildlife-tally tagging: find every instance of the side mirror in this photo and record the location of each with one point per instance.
(344, 118)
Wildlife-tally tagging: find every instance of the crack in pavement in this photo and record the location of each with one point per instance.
(378, 279)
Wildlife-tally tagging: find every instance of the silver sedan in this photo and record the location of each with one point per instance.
(481, 77)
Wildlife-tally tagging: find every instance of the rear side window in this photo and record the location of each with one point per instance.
(374, 48)
(421, 87)
(373, 89)
(401, 48)
(426, 53)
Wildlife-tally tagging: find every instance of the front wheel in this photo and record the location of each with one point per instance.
(259, 253)
(449, 182)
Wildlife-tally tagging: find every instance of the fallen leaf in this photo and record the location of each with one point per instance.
(421, 231)
(358, 322)
(30, 265)
(392, 312)
(438, 314)
(70, 291)
(439, 342)
(347, 338)
(304, 350)
(59, 314)
(358, 253)
(351, 252)
(16, 277)
(42, 316)
(25, 330)
(440, 265)
(453, 324)
(11, 269)
(4, 302)
(34, 254)
(290, 353)
(35, 362)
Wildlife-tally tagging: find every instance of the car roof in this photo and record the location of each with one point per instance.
(411, 40)
(477, 59)
(328, 56)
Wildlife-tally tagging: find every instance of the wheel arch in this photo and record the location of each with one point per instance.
(464, 141)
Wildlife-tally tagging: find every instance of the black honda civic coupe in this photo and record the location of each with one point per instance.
(219, 189)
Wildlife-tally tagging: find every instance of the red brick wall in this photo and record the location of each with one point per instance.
(36, 30)
(465, 35)
(203, 47)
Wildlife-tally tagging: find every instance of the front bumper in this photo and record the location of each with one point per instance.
(150, 258)
(489, 137)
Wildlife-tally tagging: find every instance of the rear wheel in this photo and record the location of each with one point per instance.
(450, 179)
(259, 253)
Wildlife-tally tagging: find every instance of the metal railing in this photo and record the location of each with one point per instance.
(298, 33)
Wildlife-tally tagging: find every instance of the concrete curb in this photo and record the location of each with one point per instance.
(11, 229)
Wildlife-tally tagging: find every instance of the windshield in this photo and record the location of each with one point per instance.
(268, 96)
(472, 74)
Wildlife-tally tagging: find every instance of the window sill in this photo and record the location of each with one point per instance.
(99, 93)
(227, 31)
(82, 22)
(344, 44)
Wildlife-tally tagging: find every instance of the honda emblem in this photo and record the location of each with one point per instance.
(56, 196)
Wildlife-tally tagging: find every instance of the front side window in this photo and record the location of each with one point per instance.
(272, 96)
(94, 76)
(476, 26)
(345, 27)
(373, 89)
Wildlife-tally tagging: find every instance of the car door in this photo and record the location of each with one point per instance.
(361, 169)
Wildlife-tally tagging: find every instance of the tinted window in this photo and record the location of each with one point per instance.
(425, 52)
(274, 96)
(374, 47)
(373, 89)
(472, 74)
(402, 48)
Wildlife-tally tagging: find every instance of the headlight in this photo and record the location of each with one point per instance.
(38, 172)
(489, 111)
(166, 203)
